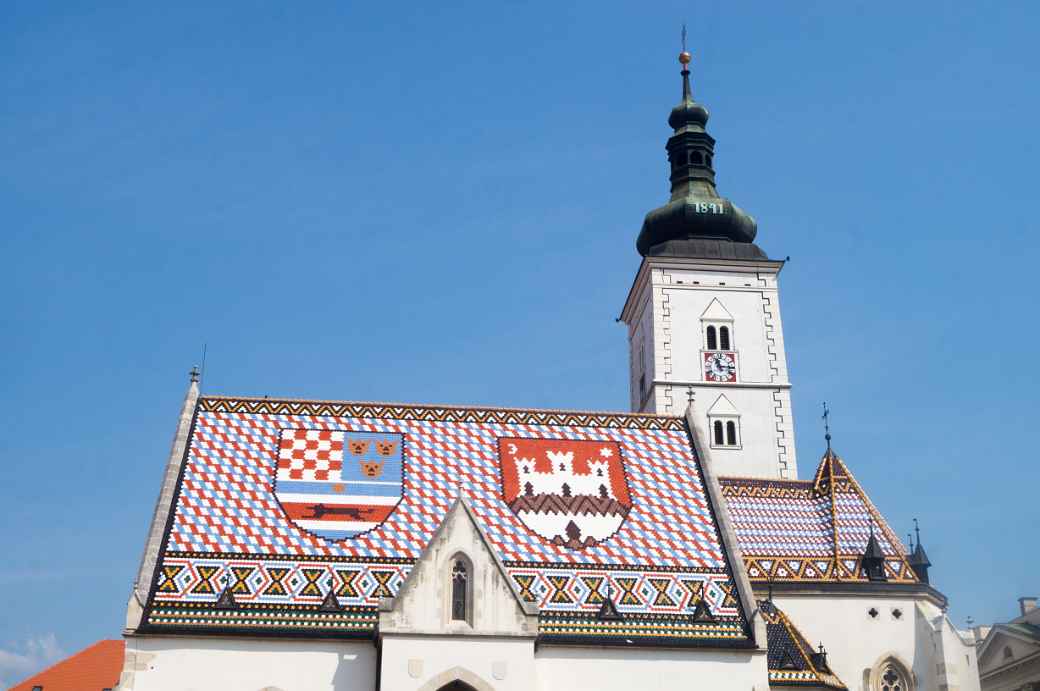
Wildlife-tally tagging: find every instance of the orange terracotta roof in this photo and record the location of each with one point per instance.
(91, 669)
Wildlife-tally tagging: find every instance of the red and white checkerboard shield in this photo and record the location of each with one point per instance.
(338, 484)
(572, 493)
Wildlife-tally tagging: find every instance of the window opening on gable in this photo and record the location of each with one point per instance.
(719, 439)
(731, 433)
(724, 338)
(1007, 652)
(712, 339)
(459, 586)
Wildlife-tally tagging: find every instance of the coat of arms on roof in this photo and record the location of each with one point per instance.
(572, 493)
(338, 484)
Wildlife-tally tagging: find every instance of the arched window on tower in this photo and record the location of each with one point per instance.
(695, 158)
(723, 338)
(731, 433)
(459, 590)
(720, 438)
(713, 343)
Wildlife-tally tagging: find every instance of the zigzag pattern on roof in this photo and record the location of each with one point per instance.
(796, 530)
(303, 516)
(390, 411)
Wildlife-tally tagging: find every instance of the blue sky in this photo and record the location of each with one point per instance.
(440, 204)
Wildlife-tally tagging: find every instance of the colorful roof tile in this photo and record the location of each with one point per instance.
(95, 668)
(817, 530)
(280, 503)
(792, 660)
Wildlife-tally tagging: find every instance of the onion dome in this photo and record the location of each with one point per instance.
(696, 221)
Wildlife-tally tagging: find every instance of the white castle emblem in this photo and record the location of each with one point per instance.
(562, 479)
(571, 492)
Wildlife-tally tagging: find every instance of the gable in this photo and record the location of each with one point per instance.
(715, 312)
(423, 604)
(1022, 641)
(722, 407)
(281, 502)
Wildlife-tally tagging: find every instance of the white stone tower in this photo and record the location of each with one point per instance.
(703, 314)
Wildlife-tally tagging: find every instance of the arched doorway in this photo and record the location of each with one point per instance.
(457, 685)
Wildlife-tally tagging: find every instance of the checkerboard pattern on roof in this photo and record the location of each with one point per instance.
(226, 505)
(798, 524)
(809, 531)
(229, 530)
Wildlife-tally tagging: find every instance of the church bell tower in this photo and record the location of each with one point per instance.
(703, 314)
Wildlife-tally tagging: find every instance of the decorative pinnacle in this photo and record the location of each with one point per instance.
(917, 531)
(684, 56)
(689, 394)
(194, 374)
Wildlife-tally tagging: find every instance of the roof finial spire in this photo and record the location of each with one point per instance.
(684, 60)
(194, 374)
(827, 425)
(917, 532)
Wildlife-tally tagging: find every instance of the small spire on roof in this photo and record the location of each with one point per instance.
(873, 559)
(918, 559)
(690, 395)
(827, 425)
(194, 374)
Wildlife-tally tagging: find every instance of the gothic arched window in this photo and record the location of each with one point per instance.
(723, 338)
(719, 438)
(892, 676)
(712, 341)
(731, 433)
(459, 590)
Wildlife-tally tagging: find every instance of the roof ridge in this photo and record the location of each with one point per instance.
(778, 480)
(437, 406)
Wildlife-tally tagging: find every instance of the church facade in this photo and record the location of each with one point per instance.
(343, 545)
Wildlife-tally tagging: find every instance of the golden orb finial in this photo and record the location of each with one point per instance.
(684, 58)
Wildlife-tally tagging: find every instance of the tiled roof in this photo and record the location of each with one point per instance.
(91, 669)
(793, 530)
(792, 660)
(280, 502)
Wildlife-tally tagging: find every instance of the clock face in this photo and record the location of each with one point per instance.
(720, 366)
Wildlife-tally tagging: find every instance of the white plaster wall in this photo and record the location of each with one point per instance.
(641, 334)
(955, 664)
(666, 316)
(562, 668)
(414, 662)
(758, 453)
(166, 663)
(856, 643)
(747, 334)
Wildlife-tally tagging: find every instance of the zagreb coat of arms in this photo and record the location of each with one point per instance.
(572, 493)
(338, 484)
